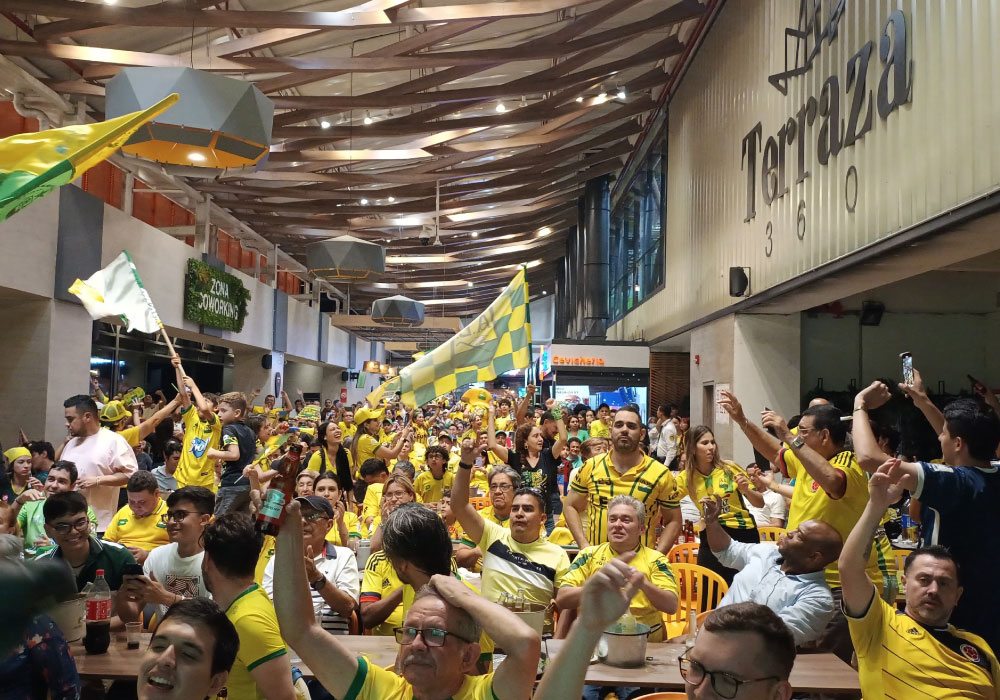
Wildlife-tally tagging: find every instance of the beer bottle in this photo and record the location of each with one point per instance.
(281, 491)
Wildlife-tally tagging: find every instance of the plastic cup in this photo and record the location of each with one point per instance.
(133, 633)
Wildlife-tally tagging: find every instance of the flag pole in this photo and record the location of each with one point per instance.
(149, 303)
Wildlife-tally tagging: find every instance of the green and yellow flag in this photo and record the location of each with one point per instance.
(32, 165)
(497, 341)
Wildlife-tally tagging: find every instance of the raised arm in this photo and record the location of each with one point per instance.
(468, 518)
(866, 448)
(931, 412)
(605, 598)
(334, 664)
(147, 426)
(762, 441)
(830, 479)
(515, 677)
(560, 442)
(491, 434)
(393, 451)
(884, 488)
(522, 405)
(185, 397)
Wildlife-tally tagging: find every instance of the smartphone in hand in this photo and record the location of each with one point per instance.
(907, 360)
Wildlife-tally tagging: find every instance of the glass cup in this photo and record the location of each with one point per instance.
(133, 633)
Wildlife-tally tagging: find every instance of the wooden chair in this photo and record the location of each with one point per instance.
(701, 591)
(770, 534)
(683, 553)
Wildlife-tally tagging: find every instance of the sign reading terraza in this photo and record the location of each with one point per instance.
(214, 298)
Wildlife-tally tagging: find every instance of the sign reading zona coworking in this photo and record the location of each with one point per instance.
(214, 298)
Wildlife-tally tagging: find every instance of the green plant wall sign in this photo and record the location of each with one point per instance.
(214, 298)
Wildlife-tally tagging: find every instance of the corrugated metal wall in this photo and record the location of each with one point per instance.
(932, 154)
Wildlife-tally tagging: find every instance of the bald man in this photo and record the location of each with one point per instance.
(819, 402)
(787, 576)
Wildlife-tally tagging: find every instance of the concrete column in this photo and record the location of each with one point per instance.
(46, 359)
(597, 215)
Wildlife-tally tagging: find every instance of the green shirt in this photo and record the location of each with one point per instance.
(110, 556)
(32, 523)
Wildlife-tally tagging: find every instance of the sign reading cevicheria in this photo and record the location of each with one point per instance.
(578, 361)
(214, 298)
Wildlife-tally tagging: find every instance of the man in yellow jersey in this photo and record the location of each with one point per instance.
(626, 470)
(914, 653)
(202, 431)
(347, 426)
(430, 485)
(262, 669)
(140, 525)
(503, 420)
(602, 426)
(518, 558)
(375, 474)
(503, 482)
(787, 576)
(658, 592)
(438, 650)
(829, 486)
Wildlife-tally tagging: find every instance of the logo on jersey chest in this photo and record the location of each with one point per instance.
(815, 486)
(970, 652)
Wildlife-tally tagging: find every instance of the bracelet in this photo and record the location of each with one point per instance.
(463, 465)
(859, 408)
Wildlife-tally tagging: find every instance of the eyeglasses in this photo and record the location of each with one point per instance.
(432, 636)
(501, 487)
(80, 525)
(724, 684)
(312, 517)
(175, 515)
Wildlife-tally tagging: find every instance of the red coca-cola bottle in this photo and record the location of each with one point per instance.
(281, 491)
(98, 616)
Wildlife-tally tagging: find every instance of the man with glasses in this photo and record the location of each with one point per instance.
(332, 571)
(67, 524)
(517, 560)
(626, 469)
(502, 483)
(140, 525)
(172, 573)
(438, 648)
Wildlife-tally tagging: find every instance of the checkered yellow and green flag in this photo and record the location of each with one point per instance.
(34, 164)
(497, 341)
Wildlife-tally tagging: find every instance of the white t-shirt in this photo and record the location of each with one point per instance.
(101, 454)
(340, 567)
(180, 575)
(666, 445)
(774, 507)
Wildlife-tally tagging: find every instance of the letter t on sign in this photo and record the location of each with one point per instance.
(750, 144)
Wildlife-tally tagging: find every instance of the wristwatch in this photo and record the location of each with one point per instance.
(797, 442)
(318, 584)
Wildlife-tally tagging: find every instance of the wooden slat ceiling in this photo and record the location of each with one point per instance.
(576, 79)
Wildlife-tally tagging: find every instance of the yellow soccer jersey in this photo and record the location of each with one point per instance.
(649, 481)
(195, 468)
(488, 514)
(431, 490)
(316, 462)
(367, 447)
(353, 529)
(131, 435)
(810, 502)
(266, 554)
(347, 431)
(146, 533)
(900, 658)
(503, 423)
(599, 429)
(374, 683)
(372, 506)
(653, 565)
(420, 435)
(252, 614)
(379, 581)
(734, 510)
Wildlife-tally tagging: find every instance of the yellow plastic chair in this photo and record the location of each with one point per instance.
(770, 534)
(683, 553)
(701, 591)
(480, 502)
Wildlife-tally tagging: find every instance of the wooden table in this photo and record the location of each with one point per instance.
(812, 673)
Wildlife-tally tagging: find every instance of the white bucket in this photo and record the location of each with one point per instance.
(70, 617)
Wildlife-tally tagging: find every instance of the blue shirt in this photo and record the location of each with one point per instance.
(957, 510)
(802, 601)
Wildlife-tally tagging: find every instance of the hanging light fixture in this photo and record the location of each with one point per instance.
(398, 311)
(227, 122)
(345, 257)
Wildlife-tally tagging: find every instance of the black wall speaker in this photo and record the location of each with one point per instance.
(265, 361)
(739, 281)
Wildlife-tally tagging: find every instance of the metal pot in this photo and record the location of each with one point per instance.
(624, 650)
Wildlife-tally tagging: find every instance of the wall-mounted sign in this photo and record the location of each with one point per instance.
(579, 361)
(214, 298)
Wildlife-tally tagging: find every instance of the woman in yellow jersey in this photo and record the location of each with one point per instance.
(707, 474)
(366, 444)
(345, 520)
(397, 490)
(332, 456)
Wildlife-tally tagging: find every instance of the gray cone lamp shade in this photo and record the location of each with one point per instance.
(218, 122)
(345, 258)
(398, 311)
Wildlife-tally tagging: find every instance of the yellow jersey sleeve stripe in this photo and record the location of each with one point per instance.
(265, 659)
(359, 680)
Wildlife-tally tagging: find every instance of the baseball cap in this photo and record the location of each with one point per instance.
(318, 503)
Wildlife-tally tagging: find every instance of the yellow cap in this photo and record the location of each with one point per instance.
(363, 415)
(16, 453)
(113, 412)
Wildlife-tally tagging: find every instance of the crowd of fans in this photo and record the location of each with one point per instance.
(561, 510)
